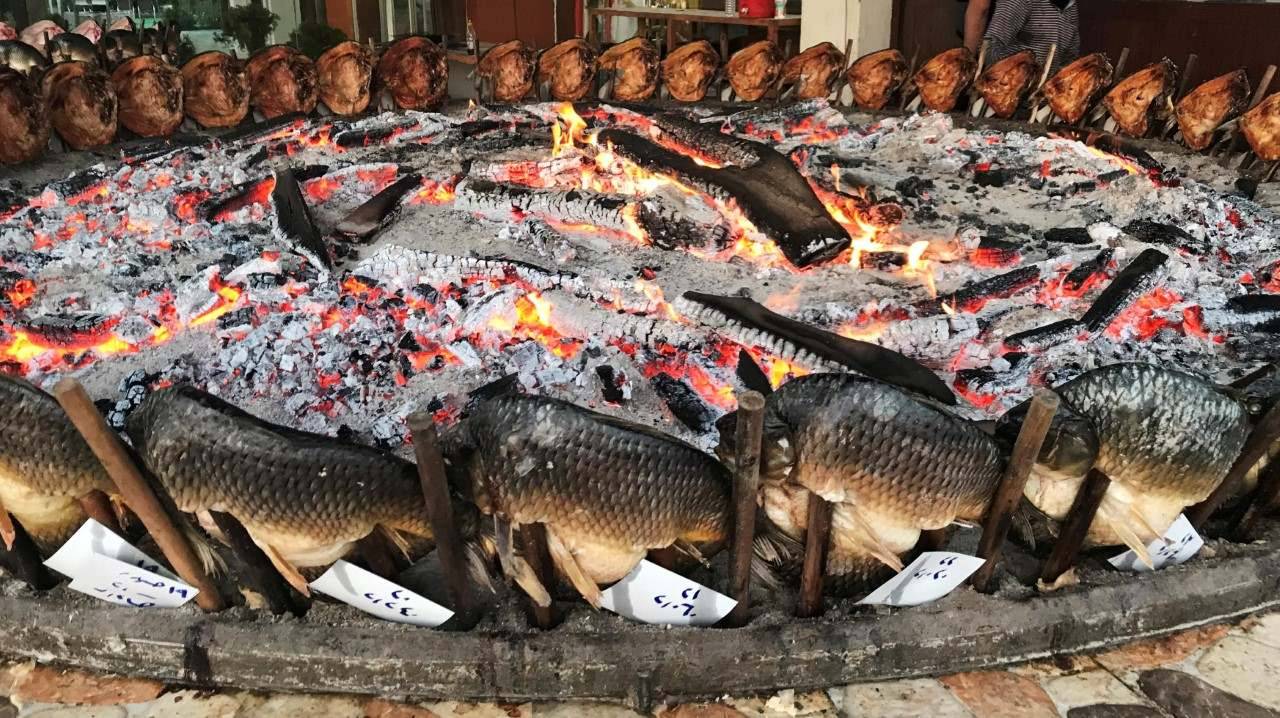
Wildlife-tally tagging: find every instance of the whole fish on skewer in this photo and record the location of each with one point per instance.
(343, 76)
(944, 78)
(568, 69)
(873, 78)
(306, 499)
(215, 89)
(45, 467)
(21, 57)
(688, 70)
(37, 34)
(1142, 97)
(1165, 438)
(119, 45)
(281, 81)
(814, 71)
(753, 70)
(72, 47)
(415, 72)
(1205, 108)
(892, 465)
(1004, 84)
(81, 103)
(1261, 127)
(511, 67)
(24, 126)
(635, 66)
(607, 490)
(1076, 86)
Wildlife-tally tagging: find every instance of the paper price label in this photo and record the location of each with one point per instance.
(930, 577)
(1179, 544)
(379, 597)
(652, 594)
(125, 584)
(93, 541)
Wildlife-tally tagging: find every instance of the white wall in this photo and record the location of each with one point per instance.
(867, 22)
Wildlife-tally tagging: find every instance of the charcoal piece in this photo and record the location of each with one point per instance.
(609, 388)
(882, 261)
(71, 331)
(973, 295)
(771, 193)
(257, 131)
(1136, 279)
(1074, 189)
(366, 219)
(426, 293)
(865, 358)
(1247, 187)
(669, 228)
(310, 172)
(295, 221)
(992, 252)
(1112, 176)
(376, 135)
(1167, 234)
(1046, 336)
(684, 403)
(997, 177)
(500, 200)
(230, 200)
(724, 149)
(792, 113)
(751, 375)
(238, 318)
(1261, 312)
(1068, 235)
(78, 182)
(913, 187)
(1077, 277)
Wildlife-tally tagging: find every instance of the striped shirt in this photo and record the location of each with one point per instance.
(1018, 25)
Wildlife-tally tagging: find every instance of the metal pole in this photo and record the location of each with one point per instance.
(135, 490)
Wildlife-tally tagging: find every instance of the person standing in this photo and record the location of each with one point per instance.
(1018, 25)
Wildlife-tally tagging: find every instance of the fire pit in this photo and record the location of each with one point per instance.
(337, 276)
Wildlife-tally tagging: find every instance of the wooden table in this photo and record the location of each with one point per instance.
(671, 16)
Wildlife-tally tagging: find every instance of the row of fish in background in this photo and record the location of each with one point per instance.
(893, 464)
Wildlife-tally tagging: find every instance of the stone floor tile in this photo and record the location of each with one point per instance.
(12, 673)
(784, 704)
(996, 694)
(582, 709)
(1184, 696)
(1165, 651)
(698, 710)
(457, 709)
(189, 704)
(39, 710)
(46, 684)
(898, 699)
(7, 709)
(383, 708)
(1114, 710)
(291, 706)
(1088, 688)
(1057, 666)
(1244, 667)
(1266, 630)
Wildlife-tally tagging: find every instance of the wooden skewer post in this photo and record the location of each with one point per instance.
(259, 570)
(136, 491)
(665, 557)
(817, 534)
(1188, 71)
(746, 485)
(449, 547)
(995, 527)
(1265, 84)
(533, 539)
(1120, 63)
(1075, 526)
(1265, 433)
(1262, 501)
(97, 506)
(844, 73)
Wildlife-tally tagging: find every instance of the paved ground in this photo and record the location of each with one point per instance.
(1210, 671)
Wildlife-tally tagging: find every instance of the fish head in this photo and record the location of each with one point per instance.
(72, 47)
(777, 451)
(21, 57)
(1070, 446)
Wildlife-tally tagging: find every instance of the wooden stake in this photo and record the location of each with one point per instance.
(817, 534)
(1267, 76)
(1075, 526)
(844, 73)
(1265, 433)
(136, 491)
(261, 573)
(665, 557)
(1187, 71)
(1120, 63)
(533, 538)
(746, 485)
(97, 506)
(995, 527)
(1261, 502)
(449, 546)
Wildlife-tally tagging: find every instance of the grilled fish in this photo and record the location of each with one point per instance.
(569, 68)
(874, 78)
(45, 465)
(306, 499)
(510, 66)
(607, 490)
(814, 71)
(24, 126)
(344, 73)
(1261, 127)
(944, 78)
(892, 465)
(1004, 84)
(81, 103)
(148, 95)
(1074, 88)
(21, 57)
(72, 47)
(1141, 97)
(753, 70)
(1205, 108)
(281, 81)
(1165, 438)
(634, 65)
(688, 70)
(415, 71)
(215, 89)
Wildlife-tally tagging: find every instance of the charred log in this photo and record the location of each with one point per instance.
(1168, 235)
(1049, 335)
(366, 219)
(972, 296)
(751, 375)
(863, 357)
(1135, 280)
(1068, 235)
(295, 221)
(610, 384)
(771, 193)
(498, 200)
(1259, 312)
(684, 403)
(668, 228)
(708, 141)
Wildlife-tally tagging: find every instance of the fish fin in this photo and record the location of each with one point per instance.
(965, 524)
(771, 548)
(1021, 522)
(287, 570)
(7, 531)
(515, 566)
(396, 539)
(867, 540)
(478, 566)
(209, 558)
(1123, 519)
(691, 551)
(564, 559)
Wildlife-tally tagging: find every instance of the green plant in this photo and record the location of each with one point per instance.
(249, 25)
(313, 38)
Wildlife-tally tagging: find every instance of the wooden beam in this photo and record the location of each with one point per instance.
(533, 538)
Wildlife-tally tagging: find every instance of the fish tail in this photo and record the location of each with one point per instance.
(869, 542)
(770, 549)
(1129, 525)
(478, 566)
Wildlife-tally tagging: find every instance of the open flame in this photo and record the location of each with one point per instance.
(533, 320)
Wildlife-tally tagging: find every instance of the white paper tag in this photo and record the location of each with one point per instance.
(92, 541)
(125, 584)
(652, 594)
(1180, 543)
(930, 577)
(379, 597)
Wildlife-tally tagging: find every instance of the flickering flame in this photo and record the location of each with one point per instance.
(533, 320)
(574, 130)
(21, 293)
(1121, 162)
(917, 265)
(435, 191)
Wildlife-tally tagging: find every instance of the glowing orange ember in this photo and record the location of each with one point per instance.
(21, 293)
